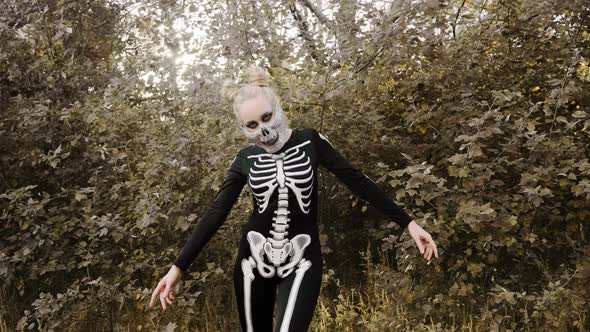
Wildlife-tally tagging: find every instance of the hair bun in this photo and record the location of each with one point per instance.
(255, 82)
(230, 89)
(256, 75)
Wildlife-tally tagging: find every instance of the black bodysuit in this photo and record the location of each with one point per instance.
(279, 255)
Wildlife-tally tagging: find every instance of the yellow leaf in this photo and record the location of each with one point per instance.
(364, 208)
(537, 88)
(409, 297)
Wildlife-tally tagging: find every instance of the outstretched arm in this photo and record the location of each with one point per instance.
(357, 181)
(362, 186)
(209, 224)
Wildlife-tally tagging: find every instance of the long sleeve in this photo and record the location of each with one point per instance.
(358, 182)
(209, 224)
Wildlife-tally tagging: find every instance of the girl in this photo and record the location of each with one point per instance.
(279, 258)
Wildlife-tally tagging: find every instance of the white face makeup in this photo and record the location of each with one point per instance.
(264, 126)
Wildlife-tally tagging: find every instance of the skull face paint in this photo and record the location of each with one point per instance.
(263, 126)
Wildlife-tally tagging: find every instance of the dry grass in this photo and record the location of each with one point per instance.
(372, 307)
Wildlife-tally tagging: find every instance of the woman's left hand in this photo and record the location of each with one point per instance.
(423, 240)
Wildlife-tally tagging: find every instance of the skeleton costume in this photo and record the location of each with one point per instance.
(279, 255)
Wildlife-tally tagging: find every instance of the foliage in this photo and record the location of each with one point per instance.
(473, 115)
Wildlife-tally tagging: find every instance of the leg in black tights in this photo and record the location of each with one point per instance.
(303, 302)
(264, 292)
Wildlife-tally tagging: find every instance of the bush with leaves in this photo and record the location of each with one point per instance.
(472, 115)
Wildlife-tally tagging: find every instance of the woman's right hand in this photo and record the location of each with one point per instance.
(166, 287)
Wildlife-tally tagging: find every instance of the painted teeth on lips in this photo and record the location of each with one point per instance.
(272, 140)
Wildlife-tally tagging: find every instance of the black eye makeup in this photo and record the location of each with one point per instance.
(265, 118)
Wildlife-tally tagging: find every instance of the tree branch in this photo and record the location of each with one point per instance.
(456, 18)
(321, 17)
(304, 33)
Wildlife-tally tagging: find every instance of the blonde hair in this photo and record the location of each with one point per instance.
(256, 83)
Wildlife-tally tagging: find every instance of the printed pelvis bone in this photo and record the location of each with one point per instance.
(292, 170)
